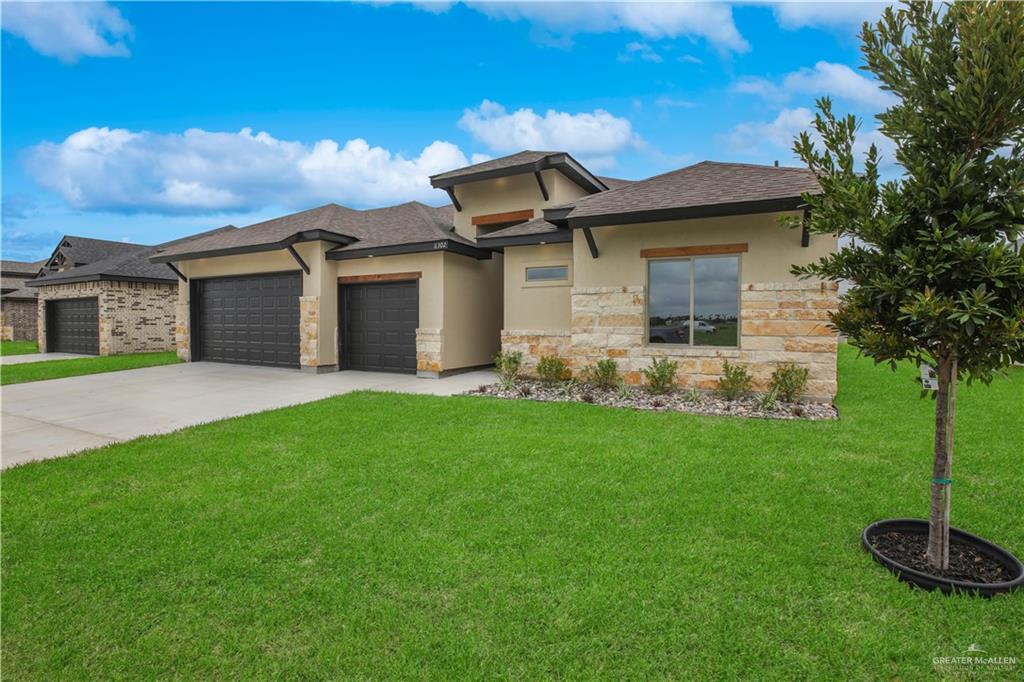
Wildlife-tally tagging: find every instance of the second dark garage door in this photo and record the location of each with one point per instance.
(73, 326)
(252, 320)
(379, 326)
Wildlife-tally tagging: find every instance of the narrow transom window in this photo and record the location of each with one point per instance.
(547, 273)
(694, 301)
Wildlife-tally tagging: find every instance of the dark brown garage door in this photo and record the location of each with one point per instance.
(73, 326)
(252, 320)
(379, 329)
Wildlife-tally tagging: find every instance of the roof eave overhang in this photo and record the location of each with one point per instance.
(297, 238)
(564, 163)
(687, 213)
(45, 282)
(441, 245)
(556, 237)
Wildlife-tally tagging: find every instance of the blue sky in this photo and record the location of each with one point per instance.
(149, 121)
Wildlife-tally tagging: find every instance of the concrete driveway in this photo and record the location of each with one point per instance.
(45, 419)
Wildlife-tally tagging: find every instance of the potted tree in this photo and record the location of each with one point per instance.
(934, 257)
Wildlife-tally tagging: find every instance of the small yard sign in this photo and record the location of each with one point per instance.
(929, 379)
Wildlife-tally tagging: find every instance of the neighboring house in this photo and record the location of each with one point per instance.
(535, 254)
(100, 297)
(17, 301)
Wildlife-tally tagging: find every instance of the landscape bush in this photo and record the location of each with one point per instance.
(603, 373)
(735, 381)
(508, 365)
(789, 382)
(552, 369)
(661, 375)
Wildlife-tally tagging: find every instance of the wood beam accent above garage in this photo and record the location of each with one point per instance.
(388, 277)
(503, 218)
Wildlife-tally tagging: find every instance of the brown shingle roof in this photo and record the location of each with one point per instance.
(518, 163)
(408, 223)
(708, 183)
(530, 227)
(501, 163)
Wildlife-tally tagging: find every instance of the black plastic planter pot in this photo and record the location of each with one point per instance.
(1013, 566)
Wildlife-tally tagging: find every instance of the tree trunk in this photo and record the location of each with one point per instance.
(942, 469)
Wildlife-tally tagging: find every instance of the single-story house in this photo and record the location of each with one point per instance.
(535, 253)
(100, 297)
(17, 301)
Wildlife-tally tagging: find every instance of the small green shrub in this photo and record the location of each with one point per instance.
(734, 382)
(624, 391)
(768, 401)
(661, 375)
(603, 374)
(789, 382)
(552, 369)
(508, 364)
(694, 395)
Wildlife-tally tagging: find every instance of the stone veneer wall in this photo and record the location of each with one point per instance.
(18, 319)
(780, 322)
(309, 320)
(535, 344)
(182, 333)
(134, 317)
(428, 351)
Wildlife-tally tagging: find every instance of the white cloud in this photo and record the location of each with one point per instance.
(842, 15)
(559, 21)
(592, 137)
(826, 78)
(68, 31)
(777, 135)
(201, 171)
(642, 51)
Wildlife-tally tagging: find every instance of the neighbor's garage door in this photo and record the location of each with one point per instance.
(379, 328)
(73, 326)
(252, 320)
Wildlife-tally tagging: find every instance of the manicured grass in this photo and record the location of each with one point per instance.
(58, 369)
(18, 347)
(393, 536)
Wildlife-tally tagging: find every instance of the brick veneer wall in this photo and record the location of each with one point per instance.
(18, 319)
(134, 317)
(780, 322)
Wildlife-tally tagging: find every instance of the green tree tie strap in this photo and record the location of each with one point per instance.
(942, 481)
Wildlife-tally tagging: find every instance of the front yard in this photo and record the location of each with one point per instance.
(379, 535)
(59, 369)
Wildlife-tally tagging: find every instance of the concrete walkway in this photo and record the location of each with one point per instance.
(46, 419)
(39, 357)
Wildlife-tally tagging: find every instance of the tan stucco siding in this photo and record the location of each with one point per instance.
(772, 249)
(513, 193)
(472, 311)
(536, 306)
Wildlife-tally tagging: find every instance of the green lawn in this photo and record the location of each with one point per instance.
(58, 369)
(394, 536)
(18, 347)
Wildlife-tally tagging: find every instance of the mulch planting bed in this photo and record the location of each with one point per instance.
(965, 562)
(642, 399)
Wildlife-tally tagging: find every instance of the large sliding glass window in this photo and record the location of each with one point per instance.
(694, 301)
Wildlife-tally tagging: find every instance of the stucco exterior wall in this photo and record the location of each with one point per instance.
(537, 305)
(18, 319)
(134, 317)
(472, 311)
(782, 319)
(513, 193)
